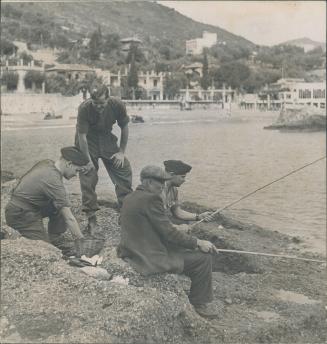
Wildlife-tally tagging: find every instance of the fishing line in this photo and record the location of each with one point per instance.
(270, 255)
(262, 187)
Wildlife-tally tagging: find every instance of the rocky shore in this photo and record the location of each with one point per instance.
(300, 119)
(260, 299)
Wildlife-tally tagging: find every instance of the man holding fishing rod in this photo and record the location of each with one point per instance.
(151, 244)
(178, 170)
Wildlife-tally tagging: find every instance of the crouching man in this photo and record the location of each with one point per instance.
(41, 193)
(153, 245)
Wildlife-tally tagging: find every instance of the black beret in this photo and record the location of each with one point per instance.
(177, 167)
(74, 155)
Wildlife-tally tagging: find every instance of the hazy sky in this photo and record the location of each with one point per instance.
(262, 22)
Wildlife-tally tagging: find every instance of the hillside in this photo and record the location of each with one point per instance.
(306, 43)
(90, 33)
(147, 20)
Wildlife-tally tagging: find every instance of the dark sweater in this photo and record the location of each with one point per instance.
(148, 238)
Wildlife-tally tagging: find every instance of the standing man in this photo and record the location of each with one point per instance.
(178, 170)
(96, 117)
(153, 245)
(41, 193)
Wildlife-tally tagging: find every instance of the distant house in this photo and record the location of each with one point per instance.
(127, 42)
(195, 67)
(195, 46)
(70, 71)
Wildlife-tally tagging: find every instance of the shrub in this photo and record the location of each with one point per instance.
(55, 84)
(10, 79)
(33, 77)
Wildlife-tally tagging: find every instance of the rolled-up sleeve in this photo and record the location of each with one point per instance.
(120, 113)
(56, 192)
(162, 225)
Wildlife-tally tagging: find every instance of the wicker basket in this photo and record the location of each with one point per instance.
(90, 247)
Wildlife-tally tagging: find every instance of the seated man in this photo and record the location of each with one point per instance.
(41, 193)
(178, 170)
(153, 245)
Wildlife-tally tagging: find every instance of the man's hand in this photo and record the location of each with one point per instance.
(87, 168)
(184, 228)
(207, 246)
(118, 159)
(207, 216)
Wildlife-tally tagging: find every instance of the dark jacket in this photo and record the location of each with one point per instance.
(148, 238)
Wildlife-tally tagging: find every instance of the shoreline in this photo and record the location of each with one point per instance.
(260, 299)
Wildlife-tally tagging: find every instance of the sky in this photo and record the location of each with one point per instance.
(262, 22)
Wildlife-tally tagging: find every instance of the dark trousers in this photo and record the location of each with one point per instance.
(30, 225)
(121, 178)
(198, 266)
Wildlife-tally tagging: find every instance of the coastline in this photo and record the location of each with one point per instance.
(261, 299)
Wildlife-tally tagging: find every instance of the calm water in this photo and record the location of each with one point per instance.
(230, 157)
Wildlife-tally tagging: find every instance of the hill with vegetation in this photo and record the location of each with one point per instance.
(90, 33)
(307, 43)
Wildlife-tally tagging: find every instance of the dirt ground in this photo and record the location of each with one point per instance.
(260, 299)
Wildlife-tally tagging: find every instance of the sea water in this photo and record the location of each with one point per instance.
(230, 155)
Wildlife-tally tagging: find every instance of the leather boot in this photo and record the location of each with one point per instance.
(206, 310)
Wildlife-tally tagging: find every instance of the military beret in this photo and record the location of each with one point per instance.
(154, 172)
(74, 155)
(177, 167)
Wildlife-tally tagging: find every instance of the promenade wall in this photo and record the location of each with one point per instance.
(23, 103)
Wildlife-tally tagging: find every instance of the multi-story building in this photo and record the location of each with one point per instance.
(195, 46)
(151, 81)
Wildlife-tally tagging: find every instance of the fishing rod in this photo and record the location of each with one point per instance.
(253, 192)
(217, 250)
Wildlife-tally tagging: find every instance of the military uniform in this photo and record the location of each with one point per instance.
(102, 143)
(40, 193)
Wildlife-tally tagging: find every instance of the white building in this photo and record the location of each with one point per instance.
(298, 92)
(195, 46)
(152, 82)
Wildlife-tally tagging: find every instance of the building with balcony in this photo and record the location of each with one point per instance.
(20, 67)
(298, 92)
(70, 71)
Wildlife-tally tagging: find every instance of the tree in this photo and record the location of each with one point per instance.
(205, 80)
(135, 53)
(10, 79)
(111, 43)
(7, 47)
(55, 84)
(33, 77)
(26, 57)
(132, 78)
(173, 83)
(95, 45)
(233, 74)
